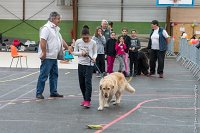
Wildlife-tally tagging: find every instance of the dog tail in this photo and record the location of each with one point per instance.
(129, 88)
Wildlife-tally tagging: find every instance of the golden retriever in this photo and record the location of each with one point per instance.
(112, 85)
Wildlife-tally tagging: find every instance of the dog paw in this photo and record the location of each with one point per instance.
(100, 109)
(106, 105)
(114, 103)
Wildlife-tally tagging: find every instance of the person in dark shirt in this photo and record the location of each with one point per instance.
(110, 52)
(133, 53)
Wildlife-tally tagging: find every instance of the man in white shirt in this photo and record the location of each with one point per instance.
(51, 43)
(159, 39)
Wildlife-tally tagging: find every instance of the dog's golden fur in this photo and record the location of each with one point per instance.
(112, 85)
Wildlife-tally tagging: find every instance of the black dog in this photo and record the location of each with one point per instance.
(143, 65)
(145, 51)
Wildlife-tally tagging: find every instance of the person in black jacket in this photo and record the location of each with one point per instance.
(110, 52)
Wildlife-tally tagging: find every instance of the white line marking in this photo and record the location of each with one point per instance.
(162, 117)
(169, 125)
(180, 121)
(16, 89)
(11, 103)
(38, 100)
(31, 121)
(12, 74)
(26, 102)
(5, 105)
(50, 98)
(67, 73)
(19, 77)
(175, 80)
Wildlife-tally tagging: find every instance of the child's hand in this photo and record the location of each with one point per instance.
(84, 53)
(70, 49)
(133, 48)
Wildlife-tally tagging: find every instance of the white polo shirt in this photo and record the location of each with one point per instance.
(50, 32)
(155, 38)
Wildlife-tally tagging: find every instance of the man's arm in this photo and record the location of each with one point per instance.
(65, 44)
(43, 44)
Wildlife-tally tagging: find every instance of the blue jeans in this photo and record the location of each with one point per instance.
(49, 67)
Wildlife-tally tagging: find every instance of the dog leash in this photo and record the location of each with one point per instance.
(101, 74)
(96, 66)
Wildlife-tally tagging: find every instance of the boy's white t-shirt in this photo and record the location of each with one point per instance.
(155, 38)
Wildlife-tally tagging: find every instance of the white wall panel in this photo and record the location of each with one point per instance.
(33, 6)
(144, 14)
(14, 6)
(143, 11)
(89, 10)
(94, 10)
(134, 10)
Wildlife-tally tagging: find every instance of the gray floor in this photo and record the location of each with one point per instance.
(158, 106)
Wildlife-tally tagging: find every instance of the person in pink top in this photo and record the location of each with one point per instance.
(120, 51)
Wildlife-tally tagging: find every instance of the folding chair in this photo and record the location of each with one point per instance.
(15, 54)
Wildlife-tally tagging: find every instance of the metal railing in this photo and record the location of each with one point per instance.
(189, 57)
(170, 48)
